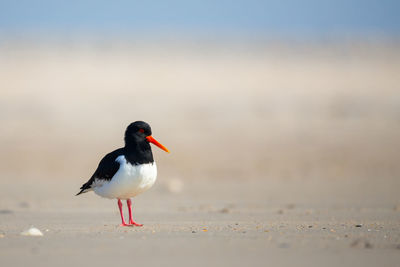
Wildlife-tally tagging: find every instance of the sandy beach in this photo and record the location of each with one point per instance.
(281, 154)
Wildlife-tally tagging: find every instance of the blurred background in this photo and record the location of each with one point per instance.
(289, 98)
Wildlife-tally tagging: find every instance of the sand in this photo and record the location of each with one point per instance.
(252, 223)
(281, 155)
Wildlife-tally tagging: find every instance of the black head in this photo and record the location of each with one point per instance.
(137, 132)
(138, 137)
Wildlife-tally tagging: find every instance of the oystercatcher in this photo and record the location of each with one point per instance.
(127, 171)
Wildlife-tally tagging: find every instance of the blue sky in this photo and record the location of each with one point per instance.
(231, 18)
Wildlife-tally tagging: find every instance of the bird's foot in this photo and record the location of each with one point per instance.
(125, 224)
(132, 223)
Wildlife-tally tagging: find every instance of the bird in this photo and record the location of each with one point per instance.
(127, 171)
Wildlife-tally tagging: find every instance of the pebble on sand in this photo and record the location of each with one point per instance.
(32, 232)
(225, 210)
(359, 243)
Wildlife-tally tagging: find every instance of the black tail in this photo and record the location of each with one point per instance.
(85, 187)
(82, 191)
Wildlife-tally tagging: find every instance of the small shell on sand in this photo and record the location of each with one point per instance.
(32, 232)
(175, 185)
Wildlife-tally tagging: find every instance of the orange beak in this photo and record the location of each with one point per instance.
(154, 141)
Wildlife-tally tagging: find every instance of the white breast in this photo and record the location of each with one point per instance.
(129, 181)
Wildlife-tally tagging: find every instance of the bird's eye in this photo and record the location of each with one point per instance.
(141, 130)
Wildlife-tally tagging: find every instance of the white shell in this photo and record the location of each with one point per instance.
(32, 232)
(175, 185)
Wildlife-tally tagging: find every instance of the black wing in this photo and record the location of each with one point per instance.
(106, 170)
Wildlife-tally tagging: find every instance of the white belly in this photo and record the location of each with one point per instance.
(129, 181)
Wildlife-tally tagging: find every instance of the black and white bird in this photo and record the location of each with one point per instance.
(127, 171)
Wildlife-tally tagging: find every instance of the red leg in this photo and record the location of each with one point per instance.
(122, 215)
(131, 222)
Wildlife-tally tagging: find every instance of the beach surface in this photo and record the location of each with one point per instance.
(281, 154)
